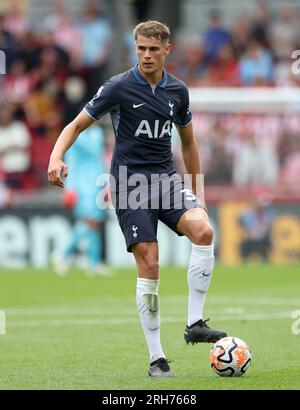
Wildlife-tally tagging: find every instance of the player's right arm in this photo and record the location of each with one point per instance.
(104, 100)
(57, 169)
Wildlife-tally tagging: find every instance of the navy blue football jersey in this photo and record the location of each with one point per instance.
(142, 117)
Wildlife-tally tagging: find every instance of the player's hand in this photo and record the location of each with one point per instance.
(57, 171)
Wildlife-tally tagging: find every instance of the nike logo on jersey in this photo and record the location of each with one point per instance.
(137, 105)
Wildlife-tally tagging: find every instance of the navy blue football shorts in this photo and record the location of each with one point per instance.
(139, 209)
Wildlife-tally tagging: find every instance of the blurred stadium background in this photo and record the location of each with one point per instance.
(236, 57)
(244, 81)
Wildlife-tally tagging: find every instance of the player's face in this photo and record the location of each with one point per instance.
(151, 54)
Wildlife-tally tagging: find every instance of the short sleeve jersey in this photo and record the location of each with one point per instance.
(142, 117)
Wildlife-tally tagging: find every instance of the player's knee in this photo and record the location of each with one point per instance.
(147, 260)
(150, 267)
(203, 236)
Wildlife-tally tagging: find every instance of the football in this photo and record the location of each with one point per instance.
(230, 356)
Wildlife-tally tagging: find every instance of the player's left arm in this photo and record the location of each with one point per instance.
(191, 158)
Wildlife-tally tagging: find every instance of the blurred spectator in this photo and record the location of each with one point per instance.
(285, 32)
(256, 223)
(290, 174)
(254, 162)
(52, 20)
(256, 66)
(6, 37)
(68, 36)
(15, 22)
(7, 44)
(28, 50)
(14, 148)
(240, 35)
(96, 44)
(284, 76)
(74, 94)
(17, 83)
(220, 164)
(53, 62)
(191, 68)
(42, 115)
(215, 37)
(261, 24)
(223, 71)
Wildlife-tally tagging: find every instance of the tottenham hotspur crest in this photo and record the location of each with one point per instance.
(134, 228)
(171, 105)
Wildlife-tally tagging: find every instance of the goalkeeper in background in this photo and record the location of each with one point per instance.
(85, 163)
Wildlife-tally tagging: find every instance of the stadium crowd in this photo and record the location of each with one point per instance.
(52, 70)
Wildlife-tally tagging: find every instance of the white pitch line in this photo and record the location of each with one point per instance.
(125, 321)
(228, 303)
(51, 313)
(69, 311)
(221, 300)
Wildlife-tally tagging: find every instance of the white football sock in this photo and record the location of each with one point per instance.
(199, 276)
(148, 306)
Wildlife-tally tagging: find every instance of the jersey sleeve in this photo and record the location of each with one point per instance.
(103, 101)
(184, 115)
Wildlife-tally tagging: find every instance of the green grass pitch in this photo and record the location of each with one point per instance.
(79, 332)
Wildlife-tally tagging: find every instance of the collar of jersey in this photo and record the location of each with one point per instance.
(141, 79)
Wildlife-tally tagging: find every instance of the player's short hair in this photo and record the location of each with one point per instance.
(152, 28)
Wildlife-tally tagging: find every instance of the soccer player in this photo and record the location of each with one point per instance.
(144, 102)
